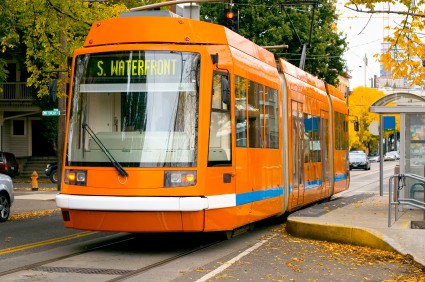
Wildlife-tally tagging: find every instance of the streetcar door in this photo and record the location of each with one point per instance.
(242, 161)
(298, 154)
(220, 172)
(324, 129)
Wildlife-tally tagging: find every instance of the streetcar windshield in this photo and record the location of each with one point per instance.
(142, 106)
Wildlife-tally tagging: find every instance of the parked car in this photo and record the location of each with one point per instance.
(6, 196)
(391, 156)
(357, 152)
(52, 171)
(8, 164)
(373, 158)
(358, 160)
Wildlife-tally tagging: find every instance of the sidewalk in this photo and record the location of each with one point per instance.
(361, 220)
(27, 200)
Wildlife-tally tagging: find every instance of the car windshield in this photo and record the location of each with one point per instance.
(357, 156)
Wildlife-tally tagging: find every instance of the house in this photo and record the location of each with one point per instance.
(21, 121)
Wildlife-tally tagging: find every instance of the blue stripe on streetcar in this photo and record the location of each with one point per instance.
(313, 184)
(255, 196)
(340, 177)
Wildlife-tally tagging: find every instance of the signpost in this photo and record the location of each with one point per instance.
(54, 113)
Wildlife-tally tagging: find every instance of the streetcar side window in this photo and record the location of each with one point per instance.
(255, 115)
(240, 111)
(219, 152)
(257, 124)
(341, 131)
(271, 118)
(297, 144)
(312, 138)
(307, 137)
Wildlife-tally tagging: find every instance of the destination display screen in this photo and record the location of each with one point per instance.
(137, 66)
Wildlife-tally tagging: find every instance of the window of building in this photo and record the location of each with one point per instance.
(18, 127)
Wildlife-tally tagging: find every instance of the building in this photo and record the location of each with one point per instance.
(22, 127)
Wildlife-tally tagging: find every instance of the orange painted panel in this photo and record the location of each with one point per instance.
(139, 29)
(193, 221)
(242, 171)
(138, 178)
(137, 184)
(214, 181)
(129, 221)
(227, 219)
(266, 208)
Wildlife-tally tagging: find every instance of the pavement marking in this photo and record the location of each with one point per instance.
(232, 261)
(45, 242)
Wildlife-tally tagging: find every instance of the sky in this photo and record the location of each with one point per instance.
(364, 37)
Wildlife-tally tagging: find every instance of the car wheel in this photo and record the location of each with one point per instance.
(4, 207)
(54, 176)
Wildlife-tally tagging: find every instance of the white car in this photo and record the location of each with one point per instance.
(373, 158)
(391, 156)
(6, 196)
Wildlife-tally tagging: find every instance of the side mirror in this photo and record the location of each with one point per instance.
(225, 91)
(356, 125)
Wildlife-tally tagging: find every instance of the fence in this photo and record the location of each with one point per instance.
(396, 200)
(16, 91)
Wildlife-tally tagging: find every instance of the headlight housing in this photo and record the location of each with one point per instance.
(179, 178)
(76, 177)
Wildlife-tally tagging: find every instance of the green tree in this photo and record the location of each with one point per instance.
(268, 24)
(44, 27)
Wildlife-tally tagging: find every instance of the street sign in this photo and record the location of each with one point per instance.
(55, 112)
(389, 122)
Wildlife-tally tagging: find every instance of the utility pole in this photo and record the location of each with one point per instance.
(365, 66)
(62, 111)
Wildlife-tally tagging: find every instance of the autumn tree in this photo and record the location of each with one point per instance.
(359, 101)
(406, 52)
(43, 34)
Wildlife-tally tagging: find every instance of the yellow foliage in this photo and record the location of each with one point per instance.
(359, 103)
(406, 50)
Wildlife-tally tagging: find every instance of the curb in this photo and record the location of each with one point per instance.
(346, 235)
(338, 234)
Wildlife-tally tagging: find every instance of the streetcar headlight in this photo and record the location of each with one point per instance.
(76, 177)
(179, 178)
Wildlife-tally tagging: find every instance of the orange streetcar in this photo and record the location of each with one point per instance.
(193, 129)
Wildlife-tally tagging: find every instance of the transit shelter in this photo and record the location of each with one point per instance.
(411, 108)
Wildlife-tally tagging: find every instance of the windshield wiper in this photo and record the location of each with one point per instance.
(99, 143)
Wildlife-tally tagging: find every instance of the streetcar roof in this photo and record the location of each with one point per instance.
(157, 30)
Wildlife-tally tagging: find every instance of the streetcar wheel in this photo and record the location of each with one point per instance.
(4, 207)
(228, 234)
(54, 176)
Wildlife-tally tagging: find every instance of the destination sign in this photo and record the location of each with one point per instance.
(137, 67)
(140, 67)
